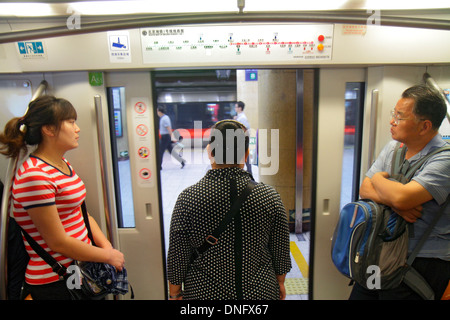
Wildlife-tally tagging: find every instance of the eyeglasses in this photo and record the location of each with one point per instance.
(397, 119)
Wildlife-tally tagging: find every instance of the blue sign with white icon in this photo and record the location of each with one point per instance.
(31, 49)
(119, 47)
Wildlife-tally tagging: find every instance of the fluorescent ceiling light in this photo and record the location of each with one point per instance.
(293, 5)
(145, 6)
(407, 5)
(327, 5)
(116, 7)
(26, 9)
(121, 7)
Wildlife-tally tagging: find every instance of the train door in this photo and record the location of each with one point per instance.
(338, 89)
(127, 204)
(132, 226)
(133, 153)
(128, 216)
(338, 150)
(278, 103)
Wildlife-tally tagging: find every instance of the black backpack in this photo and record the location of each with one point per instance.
(370, 242)
(17, 261)
(17, 257)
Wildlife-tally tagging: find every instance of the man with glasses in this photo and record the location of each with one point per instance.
(415, 123)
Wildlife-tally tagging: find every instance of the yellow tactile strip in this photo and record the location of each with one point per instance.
(296, 285)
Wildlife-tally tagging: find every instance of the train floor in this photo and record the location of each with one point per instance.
(174, 179)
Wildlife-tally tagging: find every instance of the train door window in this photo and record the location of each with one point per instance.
(121, 160)
(351, 162)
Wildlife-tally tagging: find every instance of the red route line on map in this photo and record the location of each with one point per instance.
(268, 43)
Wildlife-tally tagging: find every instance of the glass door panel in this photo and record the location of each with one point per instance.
(121, 161)
(351, 160)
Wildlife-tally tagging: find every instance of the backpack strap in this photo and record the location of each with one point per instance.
(397, 158)
(414, 279)
(212, 238)
(421, 161)
(404, 177)
(427, 232)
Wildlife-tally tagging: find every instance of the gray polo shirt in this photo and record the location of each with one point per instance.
(164, 122)
(434, 176)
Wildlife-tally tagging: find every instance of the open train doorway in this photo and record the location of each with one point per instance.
(274, 105)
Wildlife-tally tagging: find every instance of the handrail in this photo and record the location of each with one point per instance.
(106, 191)
(430, 81)
(373, 127)
(4, 215)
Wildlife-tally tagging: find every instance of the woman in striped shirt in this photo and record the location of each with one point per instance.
(47, 195)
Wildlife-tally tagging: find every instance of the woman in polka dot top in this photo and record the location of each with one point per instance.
(251, 257)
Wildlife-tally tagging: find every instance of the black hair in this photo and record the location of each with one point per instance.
(229, 142)
(429, 104)
(162, 108)
(44, 110)
(241, 105)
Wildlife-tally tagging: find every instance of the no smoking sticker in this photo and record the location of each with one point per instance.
(141, 130)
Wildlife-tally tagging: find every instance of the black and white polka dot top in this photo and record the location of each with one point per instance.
(264, 249)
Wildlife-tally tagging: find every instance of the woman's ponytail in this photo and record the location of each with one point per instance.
(44, 110)
(12, 139)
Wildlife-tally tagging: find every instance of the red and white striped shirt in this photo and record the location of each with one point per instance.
(38, 184)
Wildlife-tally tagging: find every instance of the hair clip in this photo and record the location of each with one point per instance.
(23, 128)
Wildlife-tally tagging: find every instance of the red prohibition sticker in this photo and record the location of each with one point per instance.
(141, 130)
(143, 152)
(140, 107)
(145, 174)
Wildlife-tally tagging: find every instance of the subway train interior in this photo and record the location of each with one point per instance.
(318, 81)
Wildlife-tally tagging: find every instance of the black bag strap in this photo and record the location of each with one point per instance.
(58, 268)
(212, 239)
(86, 222)
(427, 232)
